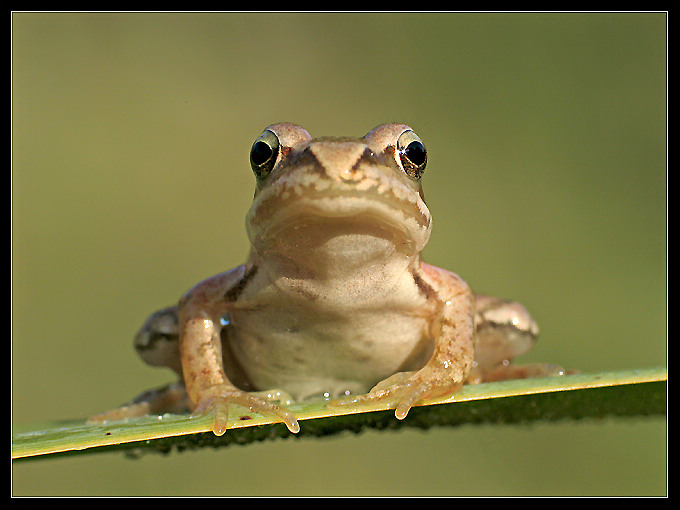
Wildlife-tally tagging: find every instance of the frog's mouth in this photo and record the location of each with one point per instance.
(339, 219)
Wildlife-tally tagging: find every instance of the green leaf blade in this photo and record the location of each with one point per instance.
(624, 393)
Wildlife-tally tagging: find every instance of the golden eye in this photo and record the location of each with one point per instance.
(264, 153)
(412, 154)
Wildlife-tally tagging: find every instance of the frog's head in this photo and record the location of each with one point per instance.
(361, 197)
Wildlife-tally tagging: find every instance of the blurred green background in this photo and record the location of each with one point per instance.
(547, 180)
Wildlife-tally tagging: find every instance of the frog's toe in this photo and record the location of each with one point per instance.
(219, 405)
(408, 400)
(262, 406)
(119, 414)
(403, 395)
(359, 399)
(394, 381)
(417, 390)
(220, 418)
(405, 392)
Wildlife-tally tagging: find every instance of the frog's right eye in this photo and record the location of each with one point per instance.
(412, 154)
(264, 153)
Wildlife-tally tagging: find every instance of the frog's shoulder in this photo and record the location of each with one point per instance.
(224, 287)
(442, 281)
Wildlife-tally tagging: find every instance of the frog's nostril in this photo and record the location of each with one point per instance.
(351, 174)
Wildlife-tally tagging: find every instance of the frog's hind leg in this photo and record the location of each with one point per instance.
(505, 330)
(509, 372)
(157, 343)
(167, 399)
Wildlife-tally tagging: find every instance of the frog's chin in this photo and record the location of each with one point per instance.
(340, 227)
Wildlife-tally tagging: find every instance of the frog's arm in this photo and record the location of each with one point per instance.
(200, 312)
(452, 331)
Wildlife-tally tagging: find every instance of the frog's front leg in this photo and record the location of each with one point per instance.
(208, 387)
(451, 330)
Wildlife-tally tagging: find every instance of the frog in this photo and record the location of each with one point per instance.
(334, 300)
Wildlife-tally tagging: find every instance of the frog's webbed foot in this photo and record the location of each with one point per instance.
(506, 372)
(218, 399)
(167, 399)
(405, 389)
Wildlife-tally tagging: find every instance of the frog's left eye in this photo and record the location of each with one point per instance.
(263, 154)
(412, 154)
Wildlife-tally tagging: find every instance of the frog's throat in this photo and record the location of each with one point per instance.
(405, 219)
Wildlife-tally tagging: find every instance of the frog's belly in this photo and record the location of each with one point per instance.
(308, 357)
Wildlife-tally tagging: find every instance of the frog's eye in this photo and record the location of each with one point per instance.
(412, 154)
(263, 154)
